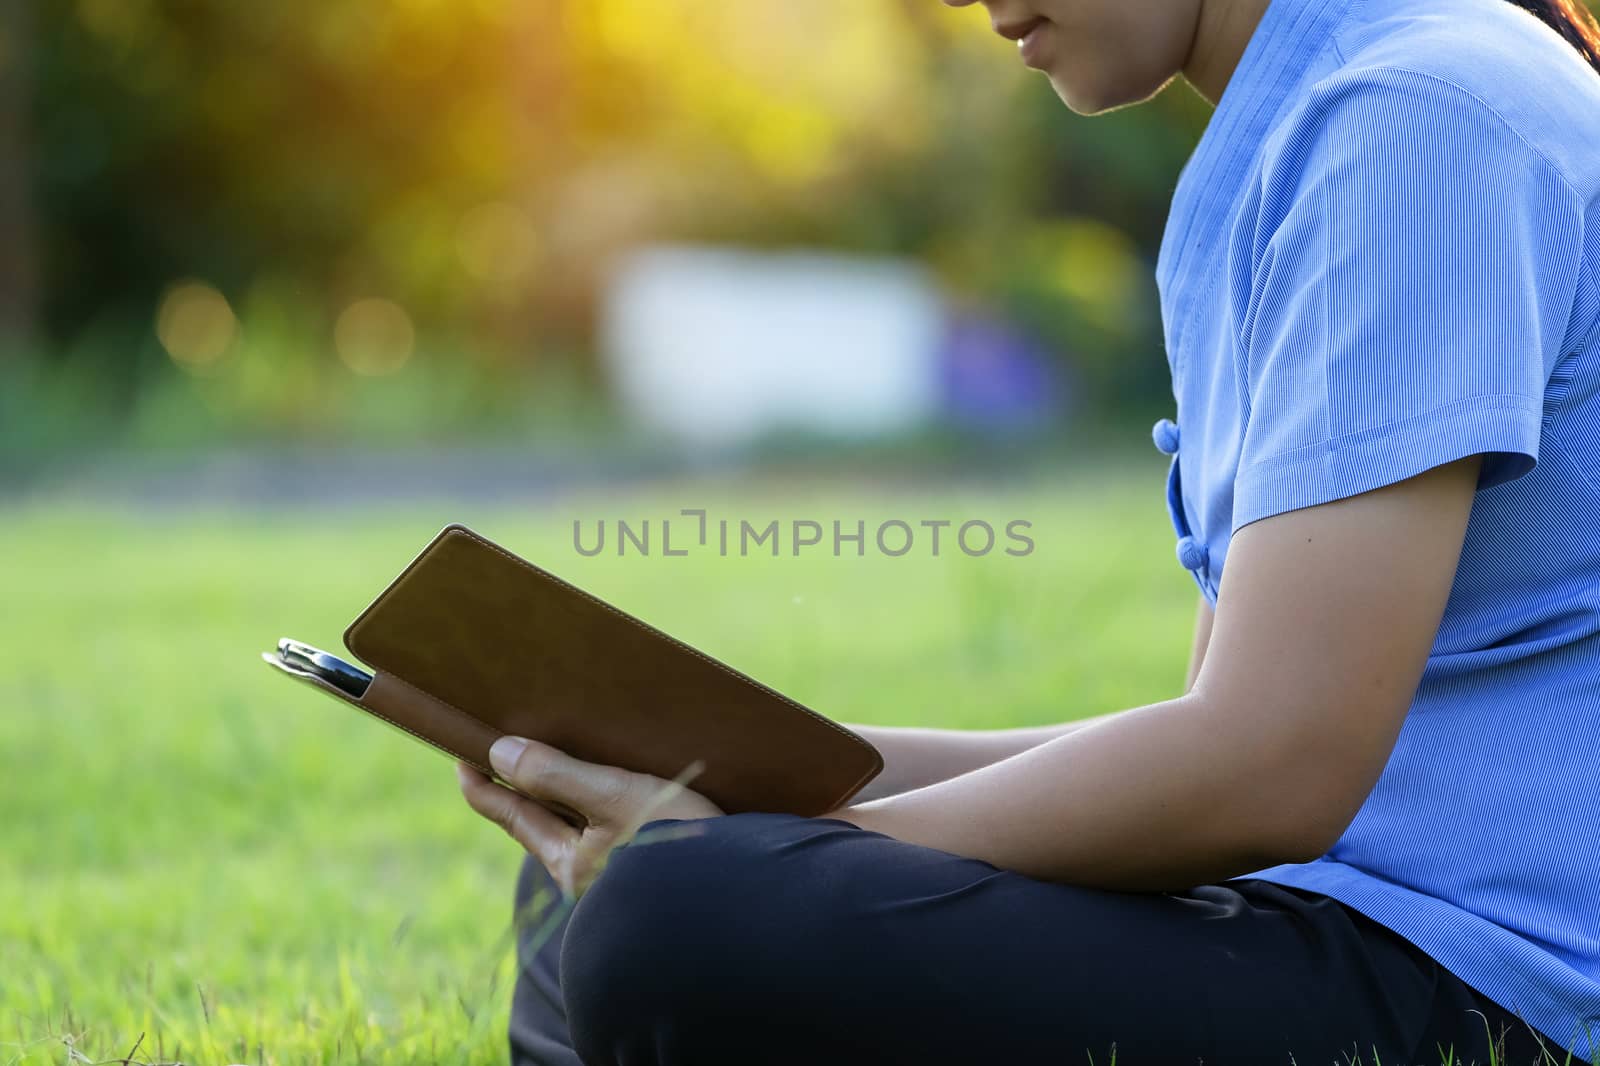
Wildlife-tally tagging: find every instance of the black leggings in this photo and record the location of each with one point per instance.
(765, 938)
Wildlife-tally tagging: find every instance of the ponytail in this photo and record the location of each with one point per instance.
(1573, 21)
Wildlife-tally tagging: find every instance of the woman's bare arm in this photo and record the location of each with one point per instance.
(914, 757)
(1323, 631)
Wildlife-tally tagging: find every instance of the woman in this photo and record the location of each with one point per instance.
(1367, 830)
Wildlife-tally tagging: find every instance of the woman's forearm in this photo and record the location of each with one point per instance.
(1160, 797)
(915, 757)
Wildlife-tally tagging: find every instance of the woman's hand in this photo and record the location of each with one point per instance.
(613, 802)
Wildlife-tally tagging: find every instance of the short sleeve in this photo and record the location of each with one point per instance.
(1412, 272)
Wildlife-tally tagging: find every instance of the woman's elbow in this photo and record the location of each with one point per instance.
(1313, 803)
(1299, 794)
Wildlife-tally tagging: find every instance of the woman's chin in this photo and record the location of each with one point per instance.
(1092, 100)
(1072, 95)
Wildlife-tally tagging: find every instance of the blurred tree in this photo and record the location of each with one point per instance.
(476, 166)
(17, 283)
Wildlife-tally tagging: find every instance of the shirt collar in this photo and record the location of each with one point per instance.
(1276, 60)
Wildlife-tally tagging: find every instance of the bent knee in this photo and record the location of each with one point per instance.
(673, 931)
(664, 900)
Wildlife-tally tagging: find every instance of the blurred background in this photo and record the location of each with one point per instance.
(421, 222)
(286, 287)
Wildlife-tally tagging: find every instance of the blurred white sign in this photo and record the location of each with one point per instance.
(717, 346)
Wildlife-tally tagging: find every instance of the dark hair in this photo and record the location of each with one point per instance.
(1573, 21)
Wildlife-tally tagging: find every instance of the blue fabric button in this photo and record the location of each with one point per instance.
(1192, 554)
(1165, 434)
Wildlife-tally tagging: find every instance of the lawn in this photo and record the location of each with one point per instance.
(201, 855)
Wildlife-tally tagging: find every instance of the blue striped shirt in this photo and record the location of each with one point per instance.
(1384, 255)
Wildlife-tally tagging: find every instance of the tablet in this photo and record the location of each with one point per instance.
(471, 642)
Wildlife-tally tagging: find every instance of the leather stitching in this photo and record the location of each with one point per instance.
(430, 696)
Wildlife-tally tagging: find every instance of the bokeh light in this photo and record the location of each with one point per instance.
(374, 336)
(196, 325)
(116, 19)
(1097, 267)
(497, 243)
(482, 166)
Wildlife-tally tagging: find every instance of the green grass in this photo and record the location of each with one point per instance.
(198, 854)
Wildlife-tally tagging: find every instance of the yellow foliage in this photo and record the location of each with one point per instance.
(786, 82)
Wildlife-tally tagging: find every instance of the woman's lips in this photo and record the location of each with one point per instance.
(1033, 46)
(1030, 36)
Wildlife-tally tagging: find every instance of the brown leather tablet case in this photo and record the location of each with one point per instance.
(471, 643)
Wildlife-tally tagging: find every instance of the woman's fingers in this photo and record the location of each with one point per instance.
(545, 836)
(612, 802)
(604, 795)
